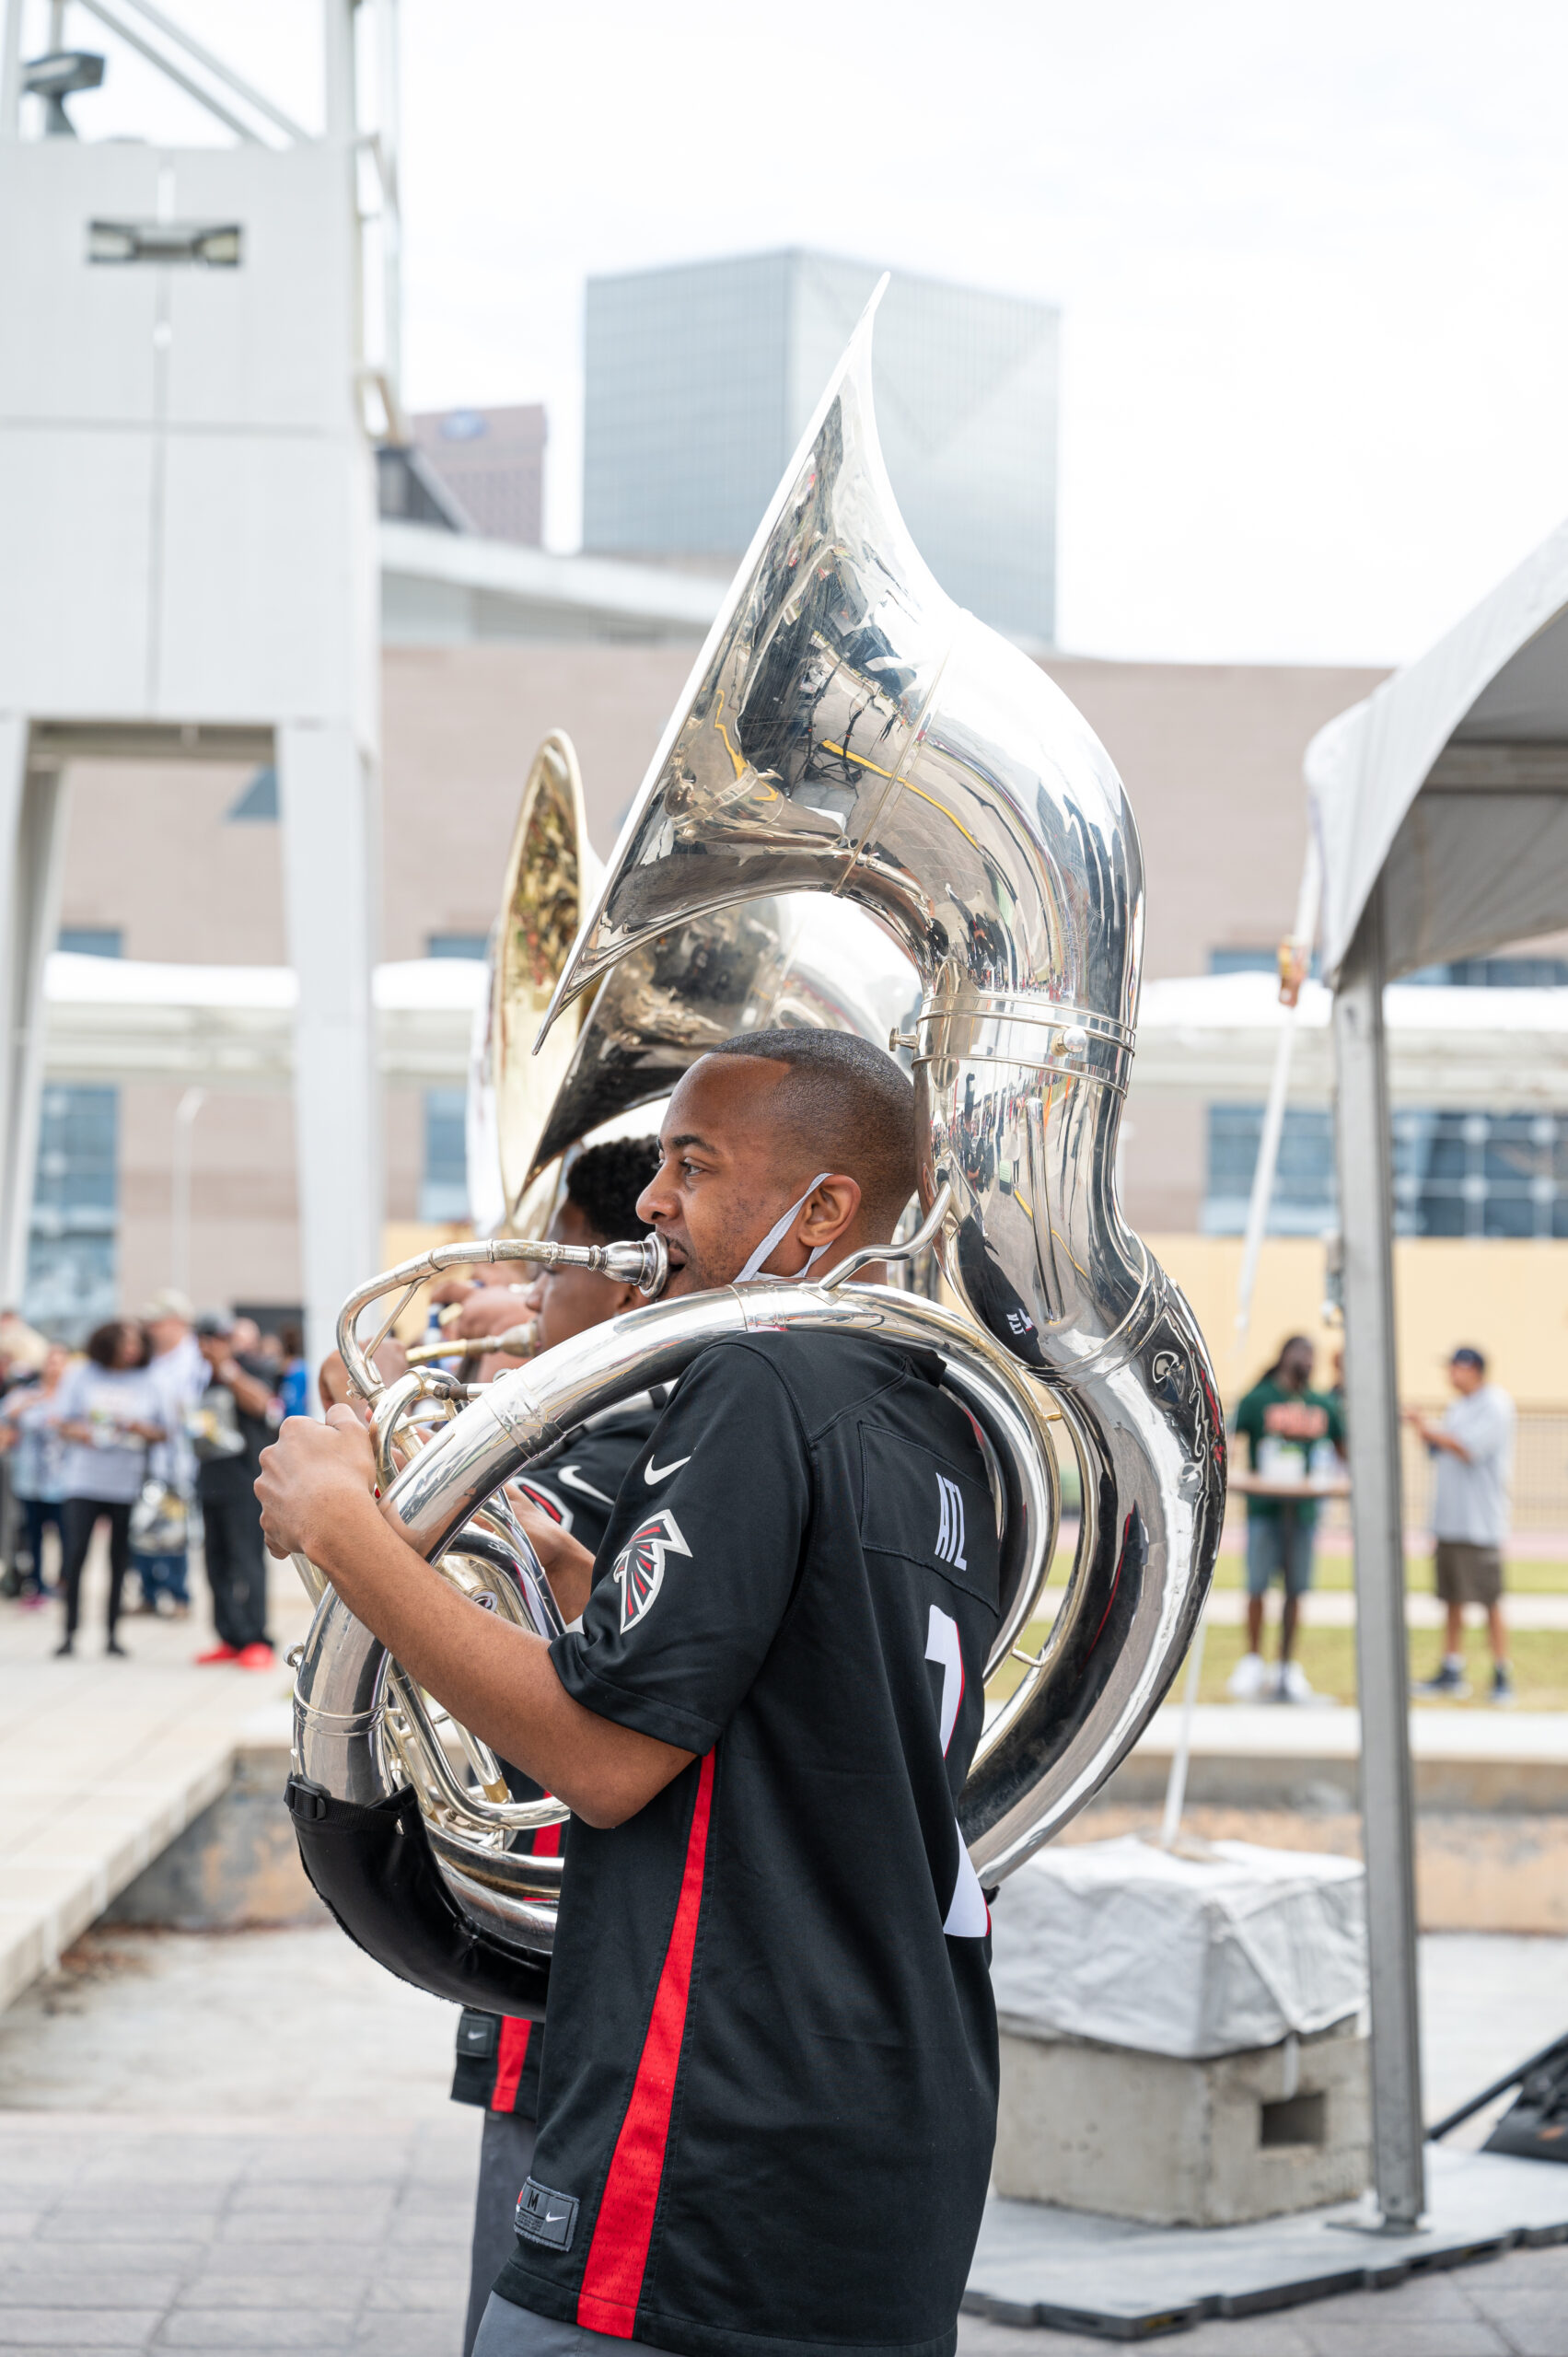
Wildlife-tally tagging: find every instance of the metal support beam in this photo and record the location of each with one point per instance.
(338, 58)
(11, 70)
(390, 136)
(1372, 1418)
(32, 845)
(331, 884)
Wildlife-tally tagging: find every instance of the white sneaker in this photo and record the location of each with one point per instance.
(1294, 1686)
(1247, 1679)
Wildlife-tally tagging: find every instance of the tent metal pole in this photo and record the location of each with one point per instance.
(1372, 1419)
(1295, 956)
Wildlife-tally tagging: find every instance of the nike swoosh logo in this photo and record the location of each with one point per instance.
(554, 2217)
(570, 1479)
(662, 1472)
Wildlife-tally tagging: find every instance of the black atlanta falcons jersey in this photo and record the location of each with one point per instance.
(498, 2058)
(770, 2084)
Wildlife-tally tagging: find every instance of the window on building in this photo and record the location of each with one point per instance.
(256, 804)
(91, 940)
(1496, 974)
(74, 1236)
(75, 1211)
(1481, 1173)
(444, 1191)
(1304, 1197)
(1455, 1173)
(1252, 961)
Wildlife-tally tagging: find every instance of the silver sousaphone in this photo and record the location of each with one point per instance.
(848, 730)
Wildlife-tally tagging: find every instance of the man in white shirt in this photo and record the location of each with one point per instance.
(1473, 1445)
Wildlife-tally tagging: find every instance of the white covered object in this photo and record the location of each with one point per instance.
(1132, 1946)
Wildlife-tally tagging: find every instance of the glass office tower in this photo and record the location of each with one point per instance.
(701, 378)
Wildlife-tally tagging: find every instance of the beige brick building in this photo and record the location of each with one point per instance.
(1211, 755)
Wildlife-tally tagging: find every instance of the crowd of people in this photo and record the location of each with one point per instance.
(153, 1429)
(1295, 1439)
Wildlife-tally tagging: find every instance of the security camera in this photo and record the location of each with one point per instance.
(54, 77)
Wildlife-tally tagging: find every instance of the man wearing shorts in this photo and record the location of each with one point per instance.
(1473, 1445)
(1285, 1421)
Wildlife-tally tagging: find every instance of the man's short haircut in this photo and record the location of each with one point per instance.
(1467, 1355)
(852, 1109)
(605, 1182)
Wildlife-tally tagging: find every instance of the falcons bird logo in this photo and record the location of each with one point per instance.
(639, 1567)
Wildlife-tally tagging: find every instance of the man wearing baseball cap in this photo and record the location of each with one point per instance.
(1473, 1444)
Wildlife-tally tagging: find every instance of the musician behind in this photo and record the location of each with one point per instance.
(768, 2097)
(498, 2059)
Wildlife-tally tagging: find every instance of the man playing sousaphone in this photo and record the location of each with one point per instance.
(768, 2086)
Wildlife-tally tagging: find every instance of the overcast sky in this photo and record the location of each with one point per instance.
(1309, 256)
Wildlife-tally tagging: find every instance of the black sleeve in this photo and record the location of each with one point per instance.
(699, 1564)
(577, 1482)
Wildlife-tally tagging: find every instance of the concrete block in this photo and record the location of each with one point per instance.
(236, 1865)
(1175, 2143)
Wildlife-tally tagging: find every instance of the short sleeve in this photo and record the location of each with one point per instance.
(698, 1565)
(1249, 1416)
(1489, 1431)
(1336, 1419)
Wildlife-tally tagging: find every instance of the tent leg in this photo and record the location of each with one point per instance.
(326, 789)
(1366, 1197)
(32, 847)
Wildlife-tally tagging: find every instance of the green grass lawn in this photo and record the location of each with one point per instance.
(1328, 1655)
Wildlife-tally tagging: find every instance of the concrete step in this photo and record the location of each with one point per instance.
(1262, 1753)
(103, 1762)
(1329, 1607)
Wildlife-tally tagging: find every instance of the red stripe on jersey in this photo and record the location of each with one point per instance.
(512, 2050)
(618, 2256)
(511, 2053)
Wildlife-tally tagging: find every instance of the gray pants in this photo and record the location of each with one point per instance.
(506, 2156)
(509, 2332)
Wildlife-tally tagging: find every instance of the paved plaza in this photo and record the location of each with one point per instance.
(242, 2141)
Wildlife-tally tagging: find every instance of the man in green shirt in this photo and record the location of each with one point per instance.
(1292, 1432)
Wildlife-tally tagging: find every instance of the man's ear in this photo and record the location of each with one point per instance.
(832, 1210)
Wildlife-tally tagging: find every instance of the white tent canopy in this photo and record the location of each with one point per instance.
(1208, 1035)
(1451, 780)
(120, 1019)
(1440, 809)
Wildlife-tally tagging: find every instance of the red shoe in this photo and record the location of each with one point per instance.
(217, 1653)
(257, 1656)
